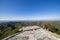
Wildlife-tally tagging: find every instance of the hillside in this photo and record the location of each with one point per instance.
(10, 28)
(38, 34)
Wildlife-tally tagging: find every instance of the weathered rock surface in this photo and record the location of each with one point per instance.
(39, 34)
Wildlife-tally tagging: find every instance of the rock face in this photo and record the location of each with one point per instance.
(39, 34)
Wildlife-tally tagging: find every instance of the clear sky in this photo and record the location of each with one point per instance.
(29, 9)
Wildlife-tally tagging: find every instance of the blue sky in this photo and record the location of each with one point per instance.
(29, 9)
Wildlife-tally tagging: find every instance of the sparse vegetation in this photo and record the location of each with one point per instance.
(7, 29)
(10, 28)
(52, 28)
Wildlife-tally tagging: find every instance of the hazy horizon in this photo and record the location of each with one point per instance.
(15, 10)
